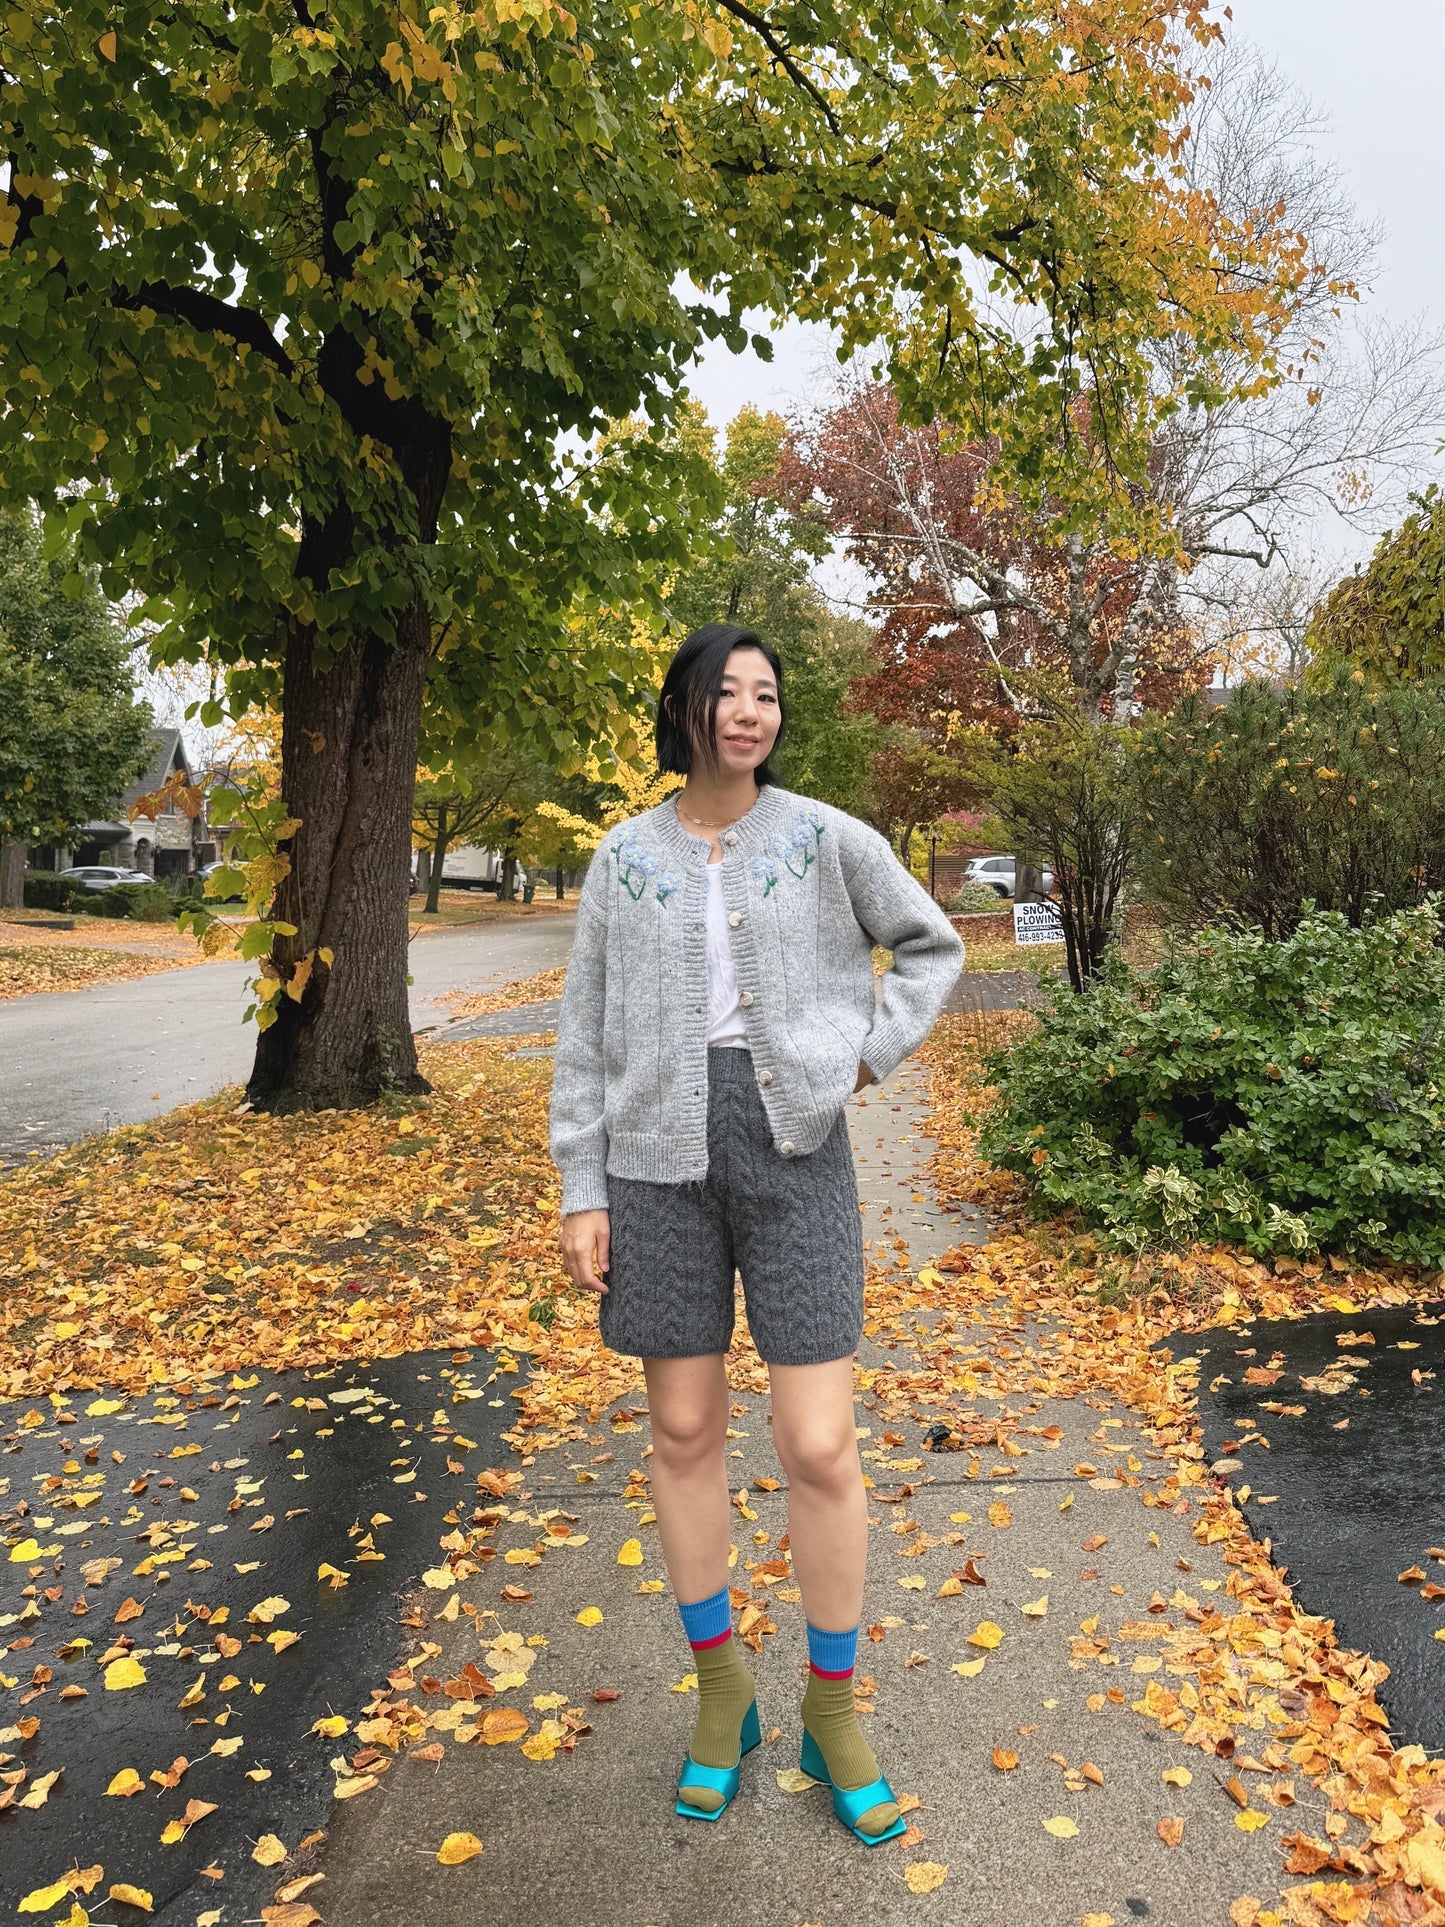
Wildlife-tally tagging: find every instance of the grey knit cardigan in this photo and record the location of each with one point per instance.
(809, 890)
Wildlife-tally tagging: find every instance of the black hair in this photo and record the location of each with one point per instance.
(687, 707)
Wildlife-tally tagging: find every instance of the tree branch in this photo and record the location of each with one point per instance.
(209, 314)
(783, 57)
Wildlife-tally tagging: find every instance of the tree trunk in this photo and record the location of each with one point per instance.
(438, 860)
(507, 889)
(12, 876)
(560, 892)
(348, 768)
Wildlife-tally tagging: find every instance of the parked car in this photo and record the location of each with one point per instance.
(104, 876)
(998, 872)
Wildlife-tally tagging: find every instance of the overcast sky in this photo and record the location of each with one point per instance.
(1376, 70)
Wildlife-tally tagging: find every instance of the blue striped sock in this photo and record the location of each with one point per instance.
(707, 1622)
(832, 1655)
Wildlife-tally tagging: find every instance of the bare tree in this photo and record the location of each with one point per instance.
(1243, 485)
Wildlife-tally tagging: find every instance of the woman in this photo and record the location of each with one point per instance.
(718, 1012)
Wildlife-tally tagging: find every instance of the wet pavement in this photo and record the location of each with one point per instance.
(1350, 1486)
(214, 1507)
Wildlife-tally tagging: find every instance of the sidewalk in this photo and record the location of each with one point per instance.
(1072, 1566)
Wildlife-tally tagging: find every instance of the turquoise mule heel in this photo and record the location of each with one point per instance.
(850, 1804)
(722, 1779)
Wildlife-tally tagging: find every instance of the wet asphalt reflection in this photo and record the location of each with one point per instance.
(1353, 1408)
(178, 1536)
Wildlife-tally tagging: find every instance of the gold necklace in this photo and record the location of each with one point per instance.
(704, 823)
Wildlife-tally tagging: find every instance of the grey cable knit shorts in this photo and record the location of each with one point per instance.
(789, 1225)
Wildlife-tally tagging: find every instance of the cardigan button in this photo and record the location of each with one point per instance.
(735, 917)
(730, 837)
(765, 1078)
(785, 1150)
(745, 998)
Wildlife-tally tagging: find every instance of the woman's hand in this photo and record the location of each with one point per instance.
(587, 1248)
(865, 1077)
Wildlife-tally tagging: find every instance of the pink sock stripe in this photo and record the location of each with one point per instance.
(847, 1673)
(701, 1645)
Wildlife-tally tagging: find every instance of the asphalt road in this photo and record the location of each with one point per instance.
(77, 1061)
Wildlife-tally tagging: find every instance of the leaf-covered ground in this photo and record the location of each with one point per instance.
(213, 1240)
(36, 967)
(1254, 1667)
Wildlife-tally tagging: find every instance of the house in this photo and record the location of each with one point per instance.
(171, 844)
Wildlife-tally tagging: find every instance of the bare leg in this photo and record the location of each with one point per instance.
(827, 1504)
(687, 1399)
(813, 1430)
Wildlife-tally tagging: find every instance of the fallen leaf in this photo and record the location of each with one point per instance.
(1251, 1821)
(1177, 1776)
(132, 1896)
(125, 1783)
(630, 1553)
(792, 1779)
(41, 1899)
(923, 1876)
(458, 1848)
(1171, 1830)
(122, 1673)
(268, 1851)
(1000, 1515)
(1060, 1827)
(590, 1616)
(987, 1635)
(502, 1725)
(1004, 1760)
(1036, 1608)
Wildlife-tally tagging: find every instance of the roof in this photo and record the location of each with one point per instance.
(168, 752)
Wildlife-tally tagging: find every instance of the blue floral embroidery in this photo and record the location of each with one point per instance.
(796, 849)
(638, 866)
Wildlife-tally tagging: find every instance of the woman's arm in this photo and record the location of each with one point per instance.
(897, 912)
(578, 1135)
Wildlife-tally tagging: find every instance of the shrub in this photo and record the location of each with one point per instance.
(153, 902)
(971, 896)
(1285, 1096)
(44, 890)
(1332, 796)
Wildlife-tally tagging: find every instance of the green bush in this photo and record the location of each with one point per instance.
(153, 902)
(1332, 796)
(45, 890)
(971, 896)
(1286, 1096)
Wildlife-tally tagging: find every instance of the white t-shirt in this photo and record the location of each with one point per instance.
(724, 1011)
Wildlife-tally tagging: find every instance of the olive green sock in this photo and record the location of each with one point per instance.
(725, 1692)
(829, 1715)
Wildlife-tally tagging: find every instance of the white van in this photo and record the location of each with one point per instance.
(468, 869)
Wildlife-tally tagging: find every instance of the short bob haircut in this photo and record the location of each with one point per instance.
(687, 707)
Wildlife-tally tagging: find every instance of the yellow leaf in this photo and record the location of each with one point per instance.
(348, 1789)
(961, 1518)
(1061, 1827)
(792, 1779)
(969, 1668)
(281, 1640)
(29, 1550)
(41, 1899)
(132, 1896)
(590, 1616)
(268, 1851)
(330, 1728)
(915, 1582)
(541, 1746)
(106, 44)
(77, 1917)
(457, 1848)
(1177, 1776)
(631, 1553)
(687, 1684)
(999, 1515)
(122, 1673)
(125, 1783)
(651, 1585)
(441, 1578)
(924, 1875)
(103, 1407)
(987, 1635)
(173, 1831)
(1249, 1821)
(1036, 1608)
(332, 1573)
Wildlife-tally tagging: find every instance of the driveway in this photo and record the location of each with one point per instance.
(73, 1062)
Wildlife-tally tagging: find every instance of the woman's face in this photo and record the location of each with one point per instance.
(747, 713)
